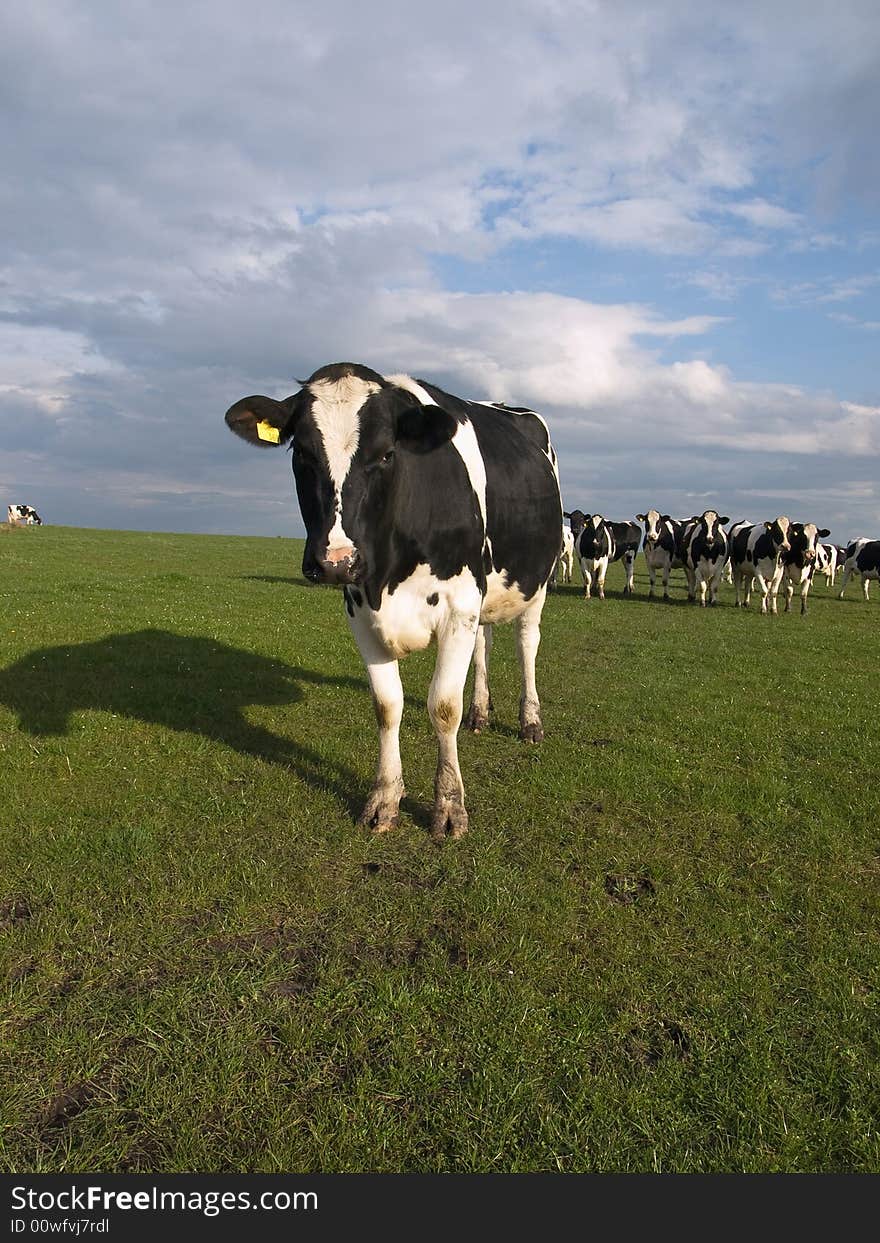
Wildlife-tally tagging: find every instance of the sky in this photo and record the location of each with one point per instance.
(658, 224)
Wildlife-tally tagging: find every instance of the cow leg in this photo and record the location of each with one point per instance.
(528, 637)
(455, 647)
(702, 583)
(383, 804)
(588, 580)
(666, 569)
(652, 574)
(481, 701)
(789, 592)
(866, 587)
(846, 577)
(600, 579)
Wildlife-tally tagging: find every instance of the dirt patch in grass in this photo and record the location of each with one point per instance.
(627, 890)
(67, 1102)
(15, 910)
(651, 1042)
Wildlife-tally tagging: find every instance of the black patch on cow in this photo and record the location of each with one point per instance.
(868, 558)
(356, 598)
(433, 598)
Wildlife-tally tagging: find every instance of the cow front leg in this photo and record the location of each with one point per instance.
(382, 808)
(652, 574)
(789, 592)
(455, 647)
(481, 701)
(528, 638)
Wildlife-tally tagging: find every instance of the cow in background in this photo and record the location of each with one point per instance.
(756, 553)
(438, 517)
(704, 551)
(566, 556)
(661, 546)
(626, 537)
(800, 560)
(594, 546)
(862, 557)
(827, 562)
(23, 516)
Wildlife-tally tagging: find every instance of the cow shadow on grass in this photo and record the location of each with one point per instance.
(189, 684)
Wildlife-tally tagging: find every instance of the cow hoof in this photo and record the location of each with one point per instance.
(476, 720)
(381, 813)
(448, 819)
(533, 732)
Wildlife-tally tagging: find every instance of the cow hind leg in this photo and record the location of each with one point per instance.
(528, 638)
(481, 701)
(455, 646)
(629, 563)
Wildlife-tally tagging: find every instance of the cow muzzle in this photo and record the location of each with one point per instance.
(338, 566)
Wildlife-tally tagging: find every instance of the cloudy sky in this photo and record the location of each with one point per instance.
(658, 223)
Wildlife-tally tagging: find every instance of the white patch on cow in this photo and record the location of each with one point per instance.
(336, 412)
(405, 621)
(503, 600)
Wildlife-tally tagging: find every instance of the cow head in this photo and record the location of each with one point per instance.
(350, 429)
(710, 527)
(653, 526)
(778, 532)
(802, 538)
(595, 538)
(577, 518)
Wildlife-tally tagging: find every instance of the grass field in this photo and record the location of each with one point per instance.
(657, 949)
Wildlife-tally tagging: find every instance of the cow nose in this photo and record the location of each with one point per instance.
(338, 565)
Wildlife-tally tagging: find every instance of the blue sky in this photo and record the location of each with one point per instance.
(658, 224)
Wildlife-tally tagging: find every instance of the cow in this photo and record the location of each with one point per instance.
(704, 551)
(626, 537)
(23, 515)
(862, 557)
(661, 546)
(594, 545)
(800, 561)
(757, 552)
(566, 556)
(439, 517)
(827, 562)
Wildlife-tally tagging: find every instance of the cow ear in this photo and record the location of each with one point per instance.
(641, 517)
(824, 532)
(263, 421)
(768, 526)
(724, 521)
(566, 514)
(422, 429)
(665, 518)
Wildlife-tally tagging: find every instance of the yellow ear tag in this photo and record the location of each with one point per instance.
(266, 431)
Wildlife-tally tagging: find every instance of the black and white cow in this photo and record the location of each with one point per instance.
(439, 517)
(800, 560)
(827, 562)
(625, 540)
(863, 558)
(566, 556)
(661, 546)
(704, 553)
(23, 515)
(757, 552)
(594, 547)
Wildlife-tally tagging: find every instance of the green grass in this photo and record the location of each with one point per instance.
(657, 949)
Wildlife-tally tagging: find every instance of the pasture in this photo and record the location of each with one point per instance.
(657, 949)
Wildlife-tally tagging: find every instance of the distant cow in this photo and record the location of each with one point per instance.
(23, 515)
(756, 553)
(800, 561)
(438, 517)
(828, 562)
(625, 536)
(566, 556)
(863, 558)
(704, 554)
(661, 546)
(594, 547)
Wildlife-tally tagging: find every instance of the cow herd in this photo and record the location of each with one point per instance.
(772, 555)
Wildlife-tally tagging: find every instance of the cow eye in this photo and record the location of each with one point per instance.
(388, 456)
